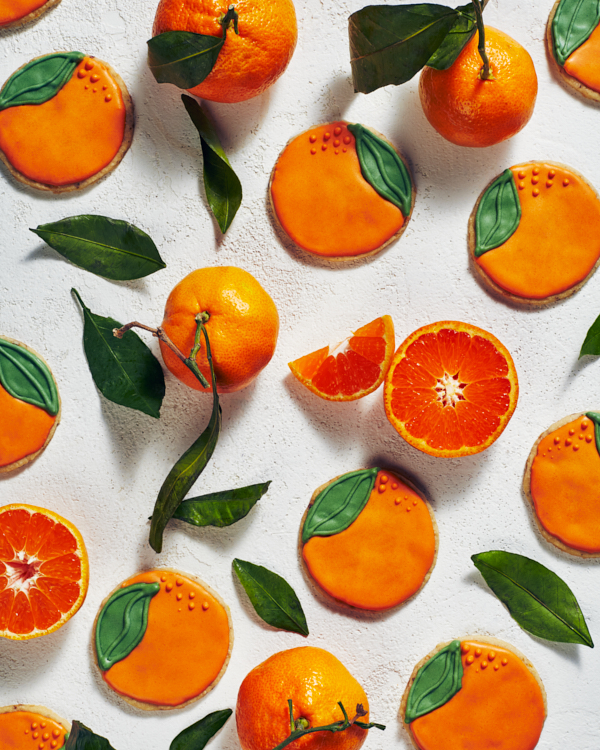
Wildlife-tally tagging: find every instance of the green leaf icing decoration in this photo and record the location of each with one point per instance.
(595, 417)
(339, 504)
(438, 680)
(498, 214)
(572, 25)
(122, 622)
(382, 168)
(39, 80)
(27, 378)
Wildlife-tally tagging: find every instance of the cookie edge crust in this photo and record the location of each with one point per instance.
(327, 597)
(527, 490)
(153, 706)
(565, 78)
(47, 713)
(345, 258)
(32, 456)
(488, 282)
(116, 160)
(481, 639)
(48, 5)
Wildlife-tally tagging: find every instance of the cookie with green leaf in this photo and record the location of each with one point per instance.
(342, 191)
(29, 404)
(473, 694)
(534, 233)
(24, 727)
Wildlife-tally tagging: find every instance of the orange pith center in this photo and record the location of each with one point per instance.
(450, 390)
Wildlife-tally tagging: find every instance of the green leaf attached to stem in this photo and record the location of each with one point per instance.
(485, 73)
(591, 344)
(82, 738)
(222, 185)
(221, 508)
(197, 735)
(463, 30)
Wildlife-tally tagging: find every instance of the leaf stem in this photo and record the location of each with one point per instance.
(227, 19)
(485, 73)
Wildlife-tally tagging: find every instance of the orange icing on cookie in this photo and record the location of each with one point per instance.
(322, 200)
(23, 428)
(24, 730)
(500, 706)
(381, 559)
(13, 10)
(183, 649)
(565, 486)
(72, 136)
(584, 63)
(557, 242)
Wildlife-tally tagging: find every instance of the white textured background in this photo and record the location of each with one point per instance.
(106, 463)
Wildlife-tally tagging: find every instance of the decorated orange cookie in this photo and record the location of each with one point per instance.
(475, 694)
(66, 120)
(32, 728)
(29, 404)
(573, 40)
(534, 234)
(562, 484)
(369, 539)
(18, 12)
(342, 191)
(162, 639)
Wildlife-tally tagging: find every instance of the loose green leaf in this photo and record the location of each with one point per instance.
(535, 597)
(221, 508)
(39, 80)
(124, 370)
(591, 345)
(438, 680)
(390, 44)
(595, 417)
(223, 188)
(498, 214)
(197, 735)
(27, 378)
(107, 247)
(572, 25)
(339, 504)
(272, 597)
(82, 738)
(463, 30)
(182, 476)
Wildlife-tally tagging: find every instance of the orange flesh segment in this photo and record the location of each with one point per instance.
(564, 485)
(183, 649)
(322, 200)
(13, 10)
(72, 136)
(382, 558)
(24, 428)
(499, 706)
(25, 730)
(583, 64)
(557, 242)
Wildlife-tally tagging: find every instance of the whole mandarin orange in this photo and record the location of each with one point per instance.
(315, 681)
(469, 111)
(250, 61)
(242, 327)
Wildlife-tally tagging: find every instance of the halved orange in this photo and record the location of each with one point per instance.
(451, 389)
(43, 571)
(351, 369)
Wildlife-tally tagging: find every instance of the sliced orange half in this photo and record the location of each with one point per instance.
(451, 389)
(43, 571)
(351, 369)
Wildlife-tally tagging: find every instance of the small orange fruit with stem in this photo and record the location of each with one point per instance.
(352, 369)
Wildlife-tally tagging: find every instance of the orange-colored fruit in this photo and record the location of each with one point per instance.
(451, 389)
(469, 111)
(315, 681)
(352, 369)
(242, 327)
(43, 571)
(249, 62)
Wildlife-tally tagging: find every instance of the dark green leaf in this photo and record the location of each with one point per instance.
(183, 58)
(438, 680)
(223, 188)
(196, 736)
(39, 80)
(82, 738)
(456, 39)
(572, 25)
(27, 378)
(107, 247)
(339, 504)
(591, 345)
(498, 214)
(391, 43)
(221, 508)
(272, 597)
(125, 370)
(535, 597)
(595, 417)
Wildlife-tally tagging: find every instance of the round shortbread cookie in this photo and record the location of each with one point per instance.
(15, 13)
(24, 727)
